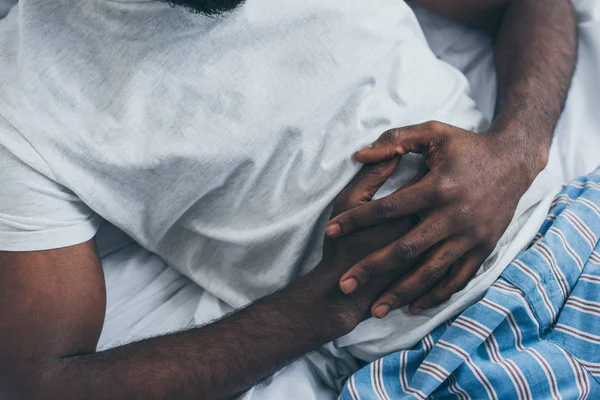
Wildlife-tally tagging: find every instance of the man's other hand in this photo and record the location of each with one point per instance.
(340, 254)
(465, 203)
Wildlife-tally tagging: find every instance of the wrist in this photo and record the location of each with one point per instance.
(526, 148)
(340, 312)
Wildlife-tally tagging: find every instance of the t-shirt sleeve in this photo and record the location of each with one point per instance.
(36, 212)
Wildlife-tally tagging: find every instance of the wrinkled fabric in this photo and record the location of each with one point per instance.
(534, 335)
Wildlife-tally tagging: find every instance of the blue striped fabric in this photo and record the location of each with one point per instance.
(535, 334)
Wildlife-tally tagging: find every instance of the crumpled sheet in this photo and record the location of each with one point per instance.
(162, 301)
(146, 297)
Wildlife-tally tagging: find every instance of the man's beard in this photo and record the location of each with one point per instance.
(207, 7)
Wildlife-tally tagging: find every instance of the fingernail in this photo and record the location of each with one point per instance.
(417, 311)
(382, 310)
(349, 285)
(333, 230)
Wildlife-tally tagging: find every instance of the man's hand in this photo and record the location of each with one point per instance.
(53, 302)
(465, 203)
(345, 252)
(470, 195)
(340, 254)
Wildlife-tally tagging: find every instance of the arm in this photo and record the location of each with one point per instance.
(535, 53)
(469, 197)
(52, 306)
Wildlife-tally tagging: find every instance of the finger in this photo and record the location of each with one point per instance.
(364, 185)
(459, 276)
(419, 280)
(397, 255)
(400, 141)
(407, 200)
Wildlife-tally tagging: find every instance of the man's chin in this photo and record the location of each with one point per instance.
(207, 7)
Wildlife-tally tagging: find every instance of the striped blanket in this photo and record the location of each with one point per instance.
(535, 334)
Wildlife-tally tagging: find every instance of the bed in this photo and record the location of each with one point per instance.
(146, 297)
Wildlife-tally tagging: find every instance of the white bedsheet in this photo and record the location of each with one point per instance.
(146, 297)
(6, 5)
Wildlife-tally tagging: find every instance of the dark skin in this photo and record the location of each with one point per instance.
(53, 302)
(53, 305)
(469, 197)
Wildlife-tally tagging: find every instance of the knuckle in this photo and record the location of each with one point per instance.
(367, 271)
(433, 230)
(440, 296)
(444, 137)
(378, 170)
(480, 234)
(446, 188)
(398, 298)
(390, 136)
(434, 126)
(447, 184)
(355, 201)
(451, 254)
(466, 211)
(384, 208)
(404, 251)
(433, 273)
(348, 222)
(441, 131)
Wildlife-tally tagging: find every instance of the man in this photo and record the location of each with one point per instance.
(153, 119)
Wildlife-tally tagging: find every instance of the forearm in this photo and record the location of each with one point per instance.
(215, 361)
(54, 306)
(535, 55)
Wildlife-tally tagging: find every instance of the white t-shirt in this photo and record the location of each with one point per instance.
(218, 144)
